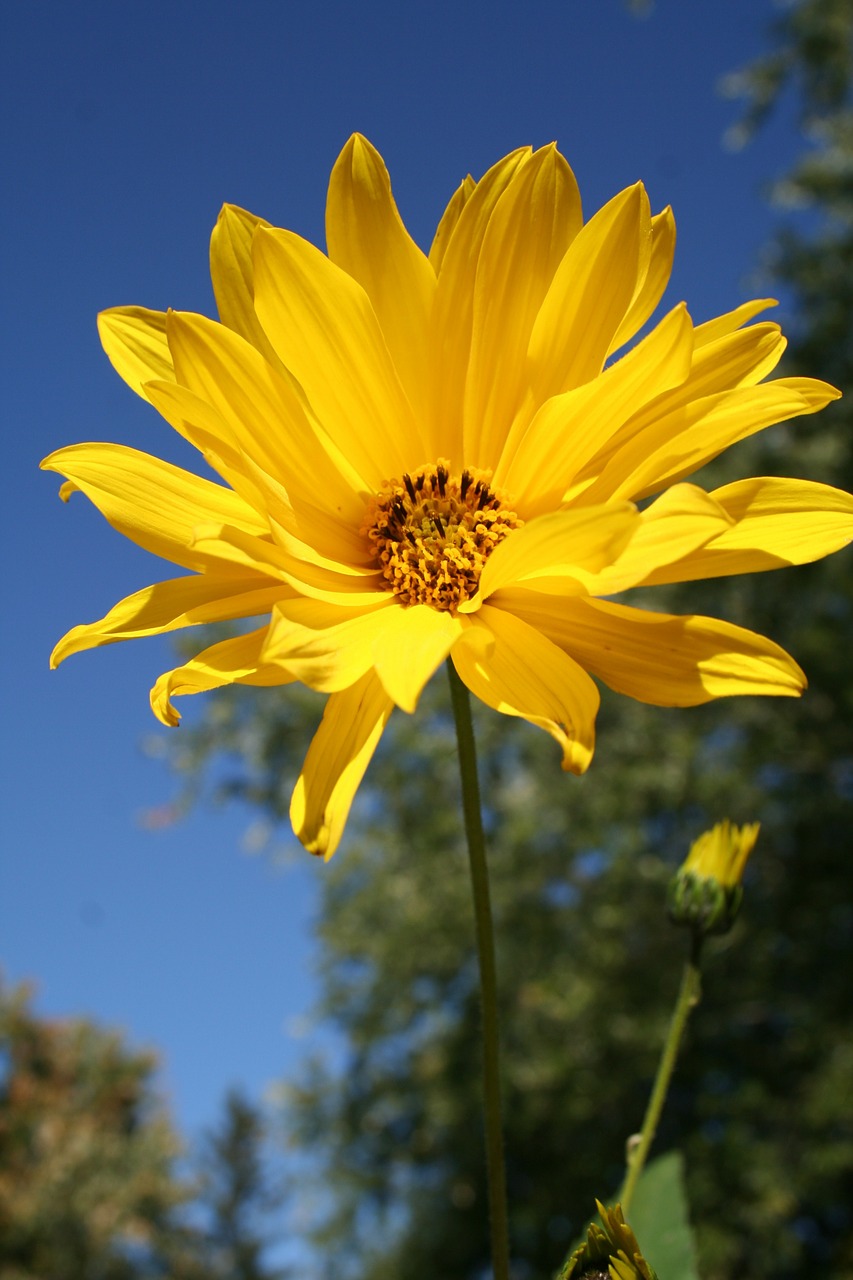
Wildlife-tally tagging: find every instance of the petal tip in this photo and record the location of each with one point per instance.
(162, 706)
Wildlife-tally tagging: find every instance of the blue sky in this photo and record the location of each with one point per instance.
(126, 127)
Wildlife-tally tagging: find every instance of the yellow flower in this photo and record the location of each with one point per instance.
(610, 1252)
(721, 853)
(433, 456)
(706, 891)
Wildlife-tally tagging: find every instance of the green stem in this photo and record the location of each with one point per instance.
(488, 980)
(688, 997)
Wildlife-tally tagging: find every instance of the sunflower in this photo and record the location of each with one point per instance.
(433, 456)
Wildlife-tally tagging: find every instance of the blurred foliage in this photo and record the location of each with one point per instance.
(588, 966)
(91, 1186)
(88, 1189)
(239, 1193)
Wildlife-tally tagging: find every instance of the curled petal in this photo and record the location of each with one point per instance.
(233, 661)
(180, 602)
(339, 754)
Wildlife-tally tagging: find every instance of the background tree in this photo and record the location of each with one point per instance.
(88, 1184)
(93, 1183)
(238, 1191)
(588, 967)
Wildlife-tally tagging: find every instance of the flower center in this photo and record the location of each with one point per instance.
(433, 532)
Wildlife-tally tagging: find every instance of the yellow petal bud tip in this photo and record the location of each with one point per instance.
(706, 892)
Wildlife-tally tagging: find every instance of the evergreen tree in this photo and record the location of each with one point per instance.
(238, 1193)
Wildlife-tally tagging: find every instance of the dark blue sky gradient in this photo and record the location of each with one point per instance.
(126, 127)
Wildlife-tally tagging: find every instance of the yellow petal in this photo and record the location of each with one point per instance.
(233, 661)
(343, 745)
(325, 331)
(366, 236)
(711, 330)
(448, 221)
(682, 519)
(589, 296)
(330, 648)
(651, 286)
(525, 675)
(180, 602)
(453, 309)
(738, 359)
(134, 338)
(232, 274)
(234, 546)
(660, 658)
(324, 646)
(200, 424)
(683, 441)
(571, 428)
(410, 648)
(562, 543)
(532, 226)
(151, 502)
(261, 411)
(774, 522)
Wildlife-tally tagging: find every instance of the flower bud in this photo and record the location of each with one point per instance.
(706, 892)
(610, 1252)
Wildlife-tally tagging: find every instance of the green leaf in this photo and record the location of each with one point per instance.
(659, 1219)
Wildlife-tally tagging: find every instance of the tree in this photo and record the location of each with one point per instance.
(237, 1192)
(88, 1187)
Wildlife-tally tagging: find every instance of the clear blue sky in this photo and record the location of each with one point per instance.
(127, 125)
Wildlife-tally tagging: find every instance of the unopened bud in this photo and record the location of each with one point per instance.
(705, 893)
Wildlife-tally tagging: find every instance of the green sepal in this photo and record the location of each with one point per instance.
(702, 902)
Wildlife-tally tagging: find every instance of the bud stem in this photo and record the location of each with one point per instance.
(689, 996)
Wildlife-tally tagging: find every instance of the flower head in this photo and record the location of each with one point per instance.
(706, 892)
(431, 456)
(610, 1252)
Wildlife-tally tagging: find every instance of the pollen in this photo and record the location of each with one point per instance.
(432, 532)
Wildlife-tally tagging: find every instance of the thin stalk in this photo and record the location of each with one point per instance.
(498, 1220)
(688, 997)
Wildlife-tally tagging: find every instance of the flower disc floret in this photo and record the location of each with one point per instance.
(432, 533)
